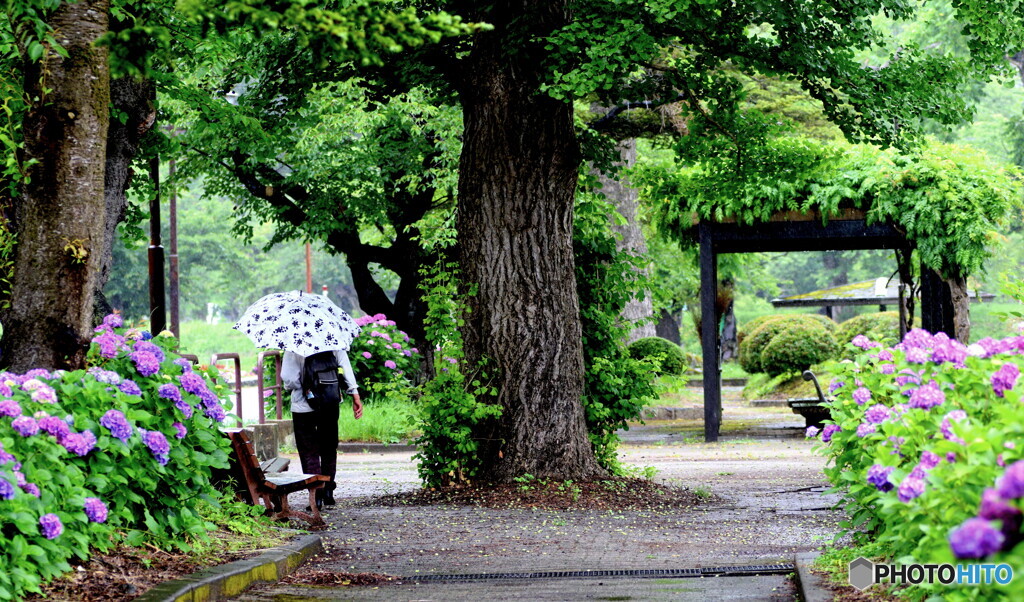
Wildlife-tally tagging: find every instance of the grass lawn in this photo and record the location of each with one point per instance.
(203, 340)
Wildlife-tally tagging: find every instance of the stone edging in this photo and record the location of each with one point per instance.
(231, 579)
(811, 586)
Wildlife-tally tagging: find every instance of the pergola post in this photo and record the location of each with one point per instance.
(709, 334)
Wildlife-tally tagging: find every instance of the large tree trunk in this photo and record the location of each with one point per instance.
(621, 193)
(517, 181)
(59, 218)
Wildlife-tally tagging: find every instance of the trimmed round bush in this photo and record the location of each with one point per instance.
(751, 351)
(673, 359)
(798, 347)
(750, 326)
(882, 326)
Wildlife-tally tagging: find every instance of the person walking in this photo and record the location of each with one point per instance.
(315, 421)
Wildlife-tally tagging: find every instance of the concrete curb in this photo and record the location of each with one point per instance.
(812, 587)
(226, 580)
(374, 448)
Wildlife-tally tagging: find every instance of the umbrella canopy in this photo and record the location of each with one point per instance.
(298, 322)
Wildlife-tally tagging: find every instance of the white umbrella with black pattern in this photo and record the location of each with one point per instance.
(298, 322)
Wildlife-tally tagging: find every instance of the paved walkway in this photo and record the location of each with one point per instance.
(771, 507)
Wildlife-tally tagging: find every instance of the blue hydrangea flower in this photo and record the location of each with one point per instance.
(975, 538)
(129, 387)
(50, 526)
(6, 488)
(169, 391)
(105, 376)
(117, 424)
(878, 476)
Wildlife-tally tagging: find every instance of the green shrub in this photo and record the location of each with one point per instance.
(752, 346)
(750, 326)
(382, 353)
(882, 327)
(798, 347)
(672, 358)
(119, 452)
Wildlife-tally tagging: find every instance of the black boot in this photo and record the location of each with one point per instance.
(329, 493)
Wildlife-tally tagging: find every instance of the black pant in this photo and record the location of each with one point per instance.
(316, 437)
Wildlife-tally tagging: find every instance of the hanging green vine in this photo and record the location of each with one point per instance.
(949, 200)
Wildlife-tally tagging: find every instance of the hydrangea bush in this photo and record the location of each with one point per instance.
(382, 353)
(925, 444)
(121, 451)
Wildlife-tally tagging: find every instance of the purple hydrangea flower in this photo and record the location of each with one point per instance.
(117, 424)
(916, 355)
(407, 353)
(152, 348)
(184, 407)
(975, 538)
(887, 368)
(367, 354)
(929, 460)
(193, 383)
(927, 396)
(949, 351)
(169, 391)
(834, 386)
(1011, 484)
(26, 426)
(878, 476)
(885, 355)
(390, 364)
(9, 408)
(79, 444)
(911, 487)
(830, 429)
(50, 526)
(105, 376)
(811, 432)
(215, 412)
(129, 387)
(947, 426)
(865, 429)
(6, 488)
(1005, 378)
(897, 443)
(145, 362)
(186, 365)
(95, 510)
(157, 443)
(396, 345)
(994, 507)
(110, 343)
(52, 425)
(917, 338)
(862, 395)
(31, 489)
(113, 321)
(5, 457)
(862, 341)
(44, 394)
(182, 431)
(877, 414)
(950, 457)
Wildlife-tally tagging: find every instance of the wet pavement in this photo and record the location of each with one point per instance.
(766, 505)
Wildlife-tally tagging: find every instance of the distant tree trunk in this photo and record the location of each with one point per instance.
(961, 309)
(668, 327)
(134, 99)
(59, 218)
(517, 182)
(621, 193)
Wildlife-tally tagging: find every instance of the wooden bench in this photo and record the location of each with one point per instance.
(255, 483)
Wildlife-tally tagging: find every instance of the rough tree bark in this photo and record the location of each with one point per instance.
(517, 181)
(59, 217)
(621, 193)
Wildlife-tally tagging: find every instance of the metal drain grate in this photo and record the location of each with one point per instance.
(722, 571)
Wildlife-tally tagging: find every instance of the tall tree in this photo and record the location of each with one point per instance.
(60, 214)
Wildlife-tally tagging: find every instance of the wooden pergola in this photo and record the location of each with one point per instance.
(791, 231)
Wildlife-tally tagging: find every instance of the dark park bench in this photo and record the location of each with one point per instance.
(814, 410)
(266, 482)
